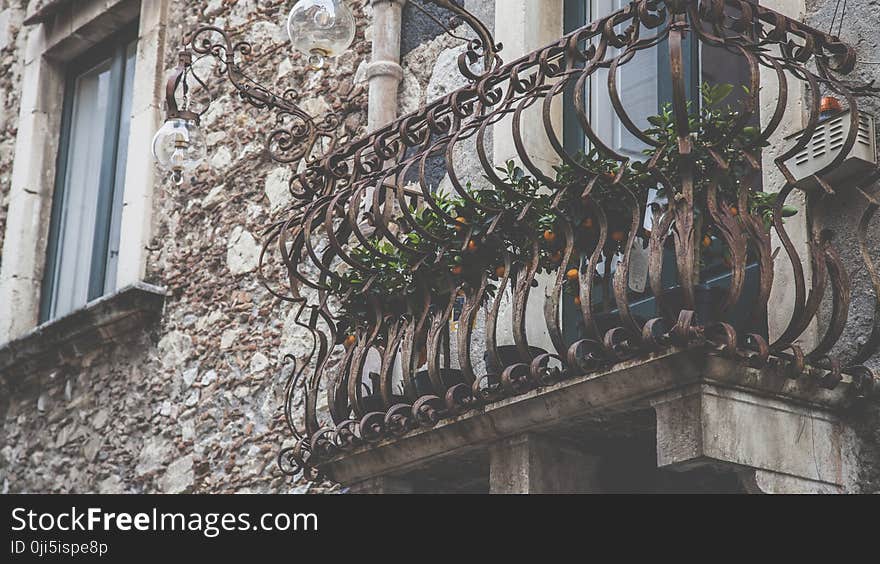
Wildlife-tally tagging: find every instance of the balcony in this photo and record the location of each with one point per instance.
(496, 331)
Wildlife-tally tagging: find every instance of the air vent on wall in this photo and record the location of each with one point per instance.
(825, 146)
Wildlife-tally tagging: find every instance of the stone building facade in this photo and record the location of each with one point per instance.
(175, 382)
(191, 401)
(860, 30)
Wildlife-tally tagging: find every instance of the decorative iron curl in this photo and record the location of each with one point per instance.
(299, 134)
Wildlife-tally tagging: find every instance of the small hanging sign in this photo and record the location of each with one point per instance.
(638, 267)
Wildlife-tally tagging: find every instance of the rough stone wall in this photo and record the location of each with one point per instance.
(430, 56)
(193, 403)
(11, 46)
(842, 214)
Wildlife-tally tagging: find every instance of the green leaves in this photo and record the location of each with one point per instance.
(763, 204)
(519, 211)
(396, 273)
(714, 94)
(788, 211)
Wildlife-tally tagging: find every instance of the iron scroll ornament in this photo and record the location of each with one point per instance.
(303, 133)
(401, 368)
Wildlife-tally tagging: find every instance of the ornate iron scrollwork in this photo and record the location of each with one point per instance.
(358, 202)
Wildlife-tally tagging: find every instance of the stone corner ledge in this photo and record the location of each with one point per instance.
(101, 321)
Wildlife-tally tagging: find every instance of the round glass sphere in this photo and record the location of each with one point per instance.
(179, 146)
(321, 29)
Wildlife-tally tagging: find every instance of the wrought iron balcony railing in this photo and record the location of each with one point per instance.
(378, 262)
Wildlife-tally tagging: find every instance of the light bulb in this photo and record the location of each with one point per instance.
(321, 29)
(178, 158)
(179, 146)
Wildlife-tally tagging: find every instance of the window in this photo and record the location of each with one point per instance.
(83, 247)
(645, 85)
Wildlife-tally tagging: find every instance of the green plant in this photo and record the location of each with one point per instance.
(716, 127)
(515, 211)
(762, 205)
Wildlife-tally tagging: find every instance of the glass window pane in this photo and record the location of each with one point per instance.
(636, 86)
(121, 158)
(76, 231)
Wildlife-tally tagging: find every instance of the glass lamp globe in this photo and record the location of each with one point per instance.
(321, 29)
(179, 146)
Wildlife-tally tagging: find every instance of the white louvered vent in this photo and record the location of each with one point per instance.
(825, 146)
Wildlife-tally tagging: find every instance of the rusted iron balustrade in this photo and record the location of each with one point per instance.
(361, 199)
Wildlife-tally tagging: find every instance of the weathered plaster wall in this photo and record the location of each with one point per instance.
(842, 214)
(194, 403)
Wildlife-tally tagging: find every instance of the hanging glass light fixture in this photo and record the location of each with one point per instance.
(317, 28)
(321, 29)
(179, 146)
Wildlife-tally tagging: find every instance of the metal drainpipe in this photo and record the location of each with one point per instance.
(384, 72)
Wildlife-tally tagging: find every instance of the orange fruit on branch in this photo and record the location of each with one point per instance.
(572, 274)
(549, 236)
(830, 104)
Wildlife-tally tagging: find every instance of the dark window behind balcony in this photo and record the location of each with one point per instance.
(645, 87)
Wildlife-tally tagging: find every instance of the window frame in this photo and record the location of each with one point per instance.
(114, 48)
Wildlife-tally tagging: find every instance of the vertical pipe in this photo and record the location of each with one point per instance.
(384, 72)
